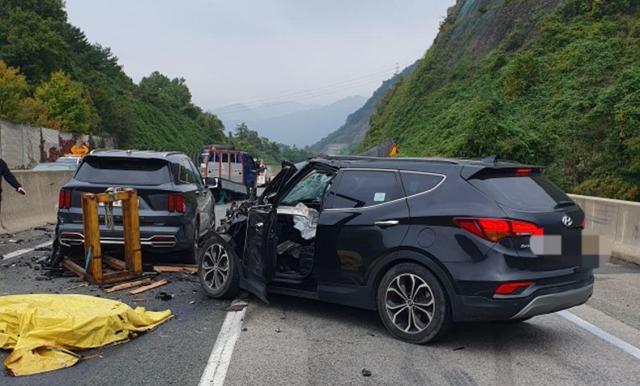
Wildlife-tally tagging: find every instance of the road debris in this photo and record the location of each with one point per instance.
(91, 356)
(41, 344)
(85, 284)
(151, 286)
(366, 373)
(128, 285)
(176, 268)
(237, 305)
(164, 296)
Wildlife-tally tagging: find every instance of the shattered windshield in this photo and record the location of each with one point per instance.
(311, 188)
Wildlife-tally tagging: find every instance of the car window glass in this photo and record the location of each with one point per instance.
(123, 171)
(196, 174)
(310, 189)
(533, 192)
(415, 183)
(358, 189)
(184, 173)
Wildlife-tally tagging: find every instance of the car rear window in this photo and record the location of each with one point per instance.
(415, 183)
(358, 189)
(119, 171)
(533, 192)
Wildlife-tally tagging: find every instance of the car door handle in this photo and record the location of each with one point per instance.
(387, 223)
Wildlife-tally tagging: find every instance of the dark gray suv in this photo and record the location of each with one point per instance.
(176, 207)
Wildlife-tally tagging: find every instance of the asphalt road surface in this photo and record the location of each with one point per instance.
(297, 341)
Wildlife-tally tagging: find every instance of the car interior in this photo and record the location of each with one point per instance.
(297, 217)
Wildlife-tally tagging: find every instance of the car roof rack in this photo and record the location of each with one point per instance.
(386, 159)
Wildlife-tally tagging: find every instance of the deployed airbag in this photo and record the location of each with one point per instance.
(305, 219)
(41, 330)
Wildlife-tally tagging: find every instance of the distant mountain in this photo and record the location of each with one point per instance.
(234, 114)
(291, 123)
(354, 129)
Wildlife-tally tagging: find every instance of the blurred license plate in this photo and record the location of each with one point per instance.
(116, 204)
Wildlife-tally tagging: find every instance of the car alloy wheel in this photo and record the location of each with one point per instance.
(410, 303)
(215, 266)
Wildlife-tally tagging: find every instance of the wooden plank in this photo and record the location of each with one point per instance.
(128, 285)
(92, 236)
(181, 265)
(169, 268)
(73, 267)
(117, 277)
(151, 286)
(114, 263)
(131, 225)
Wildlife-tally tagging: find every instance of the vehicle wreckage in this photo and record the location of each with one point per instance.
(426, 242)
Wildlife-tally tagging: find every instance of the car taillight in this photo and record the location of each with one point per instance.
(513, 288)
(523, 172)
(495, 229)
(64, 199)
(176, 203)
(583, 223)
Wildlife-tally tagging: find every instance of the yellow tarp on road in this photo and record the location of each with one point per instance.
(42, 329)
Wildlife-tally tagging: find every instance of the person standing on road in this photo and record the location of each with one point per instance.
(10, 178)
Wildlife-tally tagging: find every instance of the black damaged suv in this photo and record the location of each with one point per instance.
(426, 242)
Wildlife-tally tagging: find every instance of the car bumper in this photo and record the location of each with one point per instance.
(543, 301)
(152, 238)
(545, 304)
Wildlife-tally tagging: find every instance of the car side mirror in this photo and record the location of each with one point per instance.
(210, 182)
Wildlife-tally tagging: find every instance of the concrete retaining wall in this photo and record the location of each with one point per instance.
(38, 207)
(22, 146)
(618, 222)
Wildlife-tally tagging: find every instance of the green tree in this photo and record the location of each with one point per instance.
(68, 103)
(211, 126)
(13, 89)
(159, 89)
(31, 43)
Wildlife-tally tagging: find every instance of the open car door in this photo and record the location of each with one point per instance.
(259, 250)
(261, 240)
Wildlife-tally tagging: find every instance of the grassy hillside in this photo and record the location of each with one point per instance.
(549, 82)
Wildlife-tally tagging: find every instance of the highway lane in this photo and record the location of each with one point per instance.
(305, 342)
(175, 353)
(301, 341)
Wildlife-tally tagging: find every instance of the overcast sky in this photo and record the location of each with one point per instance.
(242, 51)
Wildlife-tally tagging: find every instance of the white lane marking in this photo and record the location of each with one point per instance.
(21, 252)
(220, 358)
(597, 331)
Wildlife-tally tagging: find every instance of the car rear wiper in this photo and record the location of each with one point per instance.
(562, 204)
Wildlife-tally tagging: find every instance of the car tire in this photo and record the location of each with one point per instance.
(412, 304)
(217, 258)
(193, 252)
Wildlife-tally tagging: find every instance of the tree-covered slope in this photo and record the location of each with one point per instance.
(357, 123)
(54, 77)
(548, 82)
